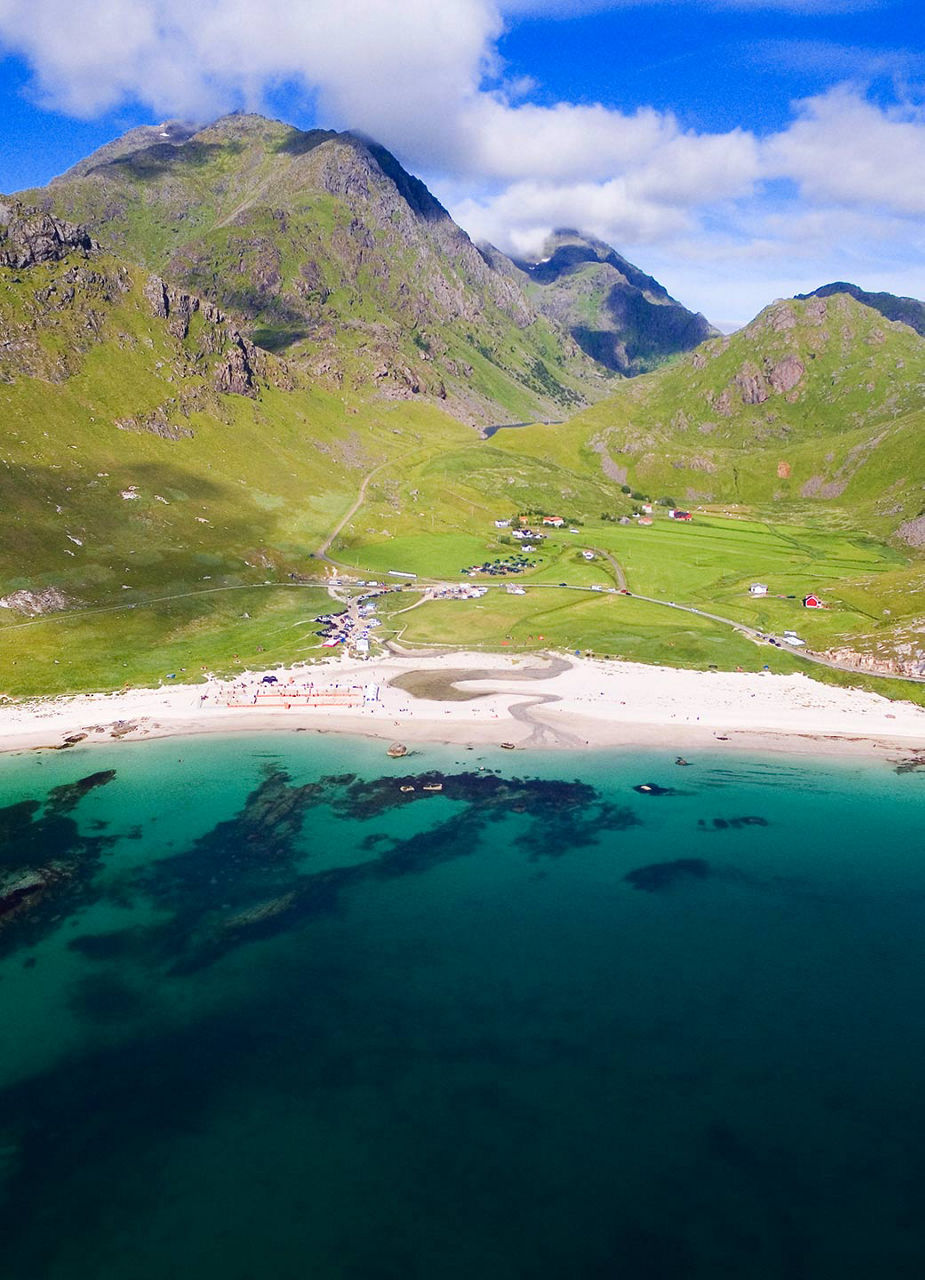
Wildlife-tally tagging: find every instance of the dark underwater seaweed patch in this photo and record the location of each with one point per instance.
(370, 798)
(46, 871)
(659, 876)
(552, 835)
(457, 837)
(66, 797)
(245, 879)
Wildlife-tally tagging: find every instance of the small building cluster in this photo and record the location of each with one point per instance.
(499, 568)
(458, 592)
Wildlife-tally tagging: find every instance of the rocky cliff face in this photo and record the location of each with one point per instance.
(30, 236)
(53, 311)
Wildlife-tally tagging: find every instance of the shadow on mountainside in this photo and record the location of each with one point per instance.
(73, 527)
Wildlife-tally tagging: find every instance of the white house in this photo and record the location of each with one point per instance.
(758, 589)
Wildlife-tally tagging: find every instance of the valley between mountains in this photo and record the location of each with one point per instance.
(246, 372)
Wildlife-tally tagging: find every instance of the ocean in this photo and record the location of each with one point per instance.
(267, 1016)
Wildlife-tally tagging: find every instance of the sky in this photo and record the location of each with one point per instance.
(738, 150)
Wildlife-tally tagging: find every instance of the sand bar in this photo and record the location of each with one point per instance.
(535, 702)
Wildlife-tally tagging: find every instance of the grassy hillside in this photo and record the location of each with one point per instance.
(179, 521)
(335, 255)
(817, 402)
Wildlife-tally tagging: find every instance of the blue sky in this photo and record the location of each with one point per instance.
(738, 150)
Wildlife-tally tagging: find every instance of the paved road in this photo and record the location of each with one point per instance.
(614, 564)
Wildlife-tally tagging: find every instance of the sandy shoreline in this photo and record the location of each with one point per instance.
(535, 702)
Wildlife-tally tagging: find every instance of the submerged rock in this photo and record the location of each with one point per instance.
(659, 876)
(735, 824)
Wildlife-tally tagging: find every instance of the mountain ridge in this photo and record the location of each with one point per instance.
(909, 311)
(299, 232)
(618, 315)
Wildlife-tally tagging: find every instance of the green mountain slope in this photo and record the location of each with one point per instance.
(815, 402)
(229, 348)
(331, 252)
(157, 470)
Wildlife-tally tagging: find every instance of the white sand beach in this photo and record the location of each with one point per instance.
(532, 701)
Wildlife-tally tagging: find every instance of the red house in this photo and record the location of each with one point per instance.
(812, 602)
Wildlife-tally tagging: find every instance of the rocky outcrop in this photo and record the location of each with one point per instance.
(34, 603)
(912, 532)
(756, 385)
(752, 384)
(785, 375)
(236, 375)
(157, 423)
(28, 237)
(176, 307)
(911, 665)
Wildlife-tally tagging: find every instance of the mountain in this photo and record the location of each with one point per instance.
(618, 315)
(905, 310)
(327, 250)
(817, 401)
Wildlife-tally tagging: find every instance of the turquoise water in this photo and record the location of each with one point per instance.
(264, 1015)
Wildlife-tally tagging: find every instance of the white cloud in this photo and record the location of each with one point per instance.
(845, 150)
(710, 210)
